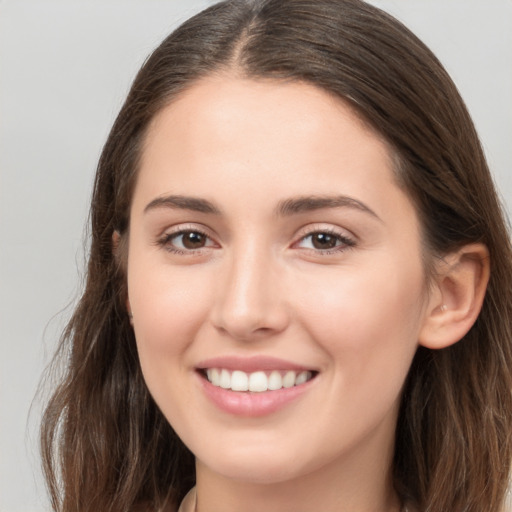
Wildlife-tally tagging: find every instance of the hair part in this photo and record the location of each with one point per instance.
(106, 445)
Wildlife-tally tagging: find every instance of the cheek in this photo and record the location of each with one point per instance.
(368, 321)
(169, 308)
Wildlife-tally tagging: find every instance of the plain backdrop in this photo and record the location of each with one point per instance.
(65, 67)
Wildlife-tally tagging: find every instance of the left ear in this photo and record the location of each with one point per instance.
(457, 296)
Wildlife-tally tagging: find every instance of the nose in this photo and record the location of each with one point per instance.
(250, 301)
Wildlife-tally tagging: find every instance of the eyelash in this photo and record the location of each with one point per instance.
(166, 241)
(345, 243)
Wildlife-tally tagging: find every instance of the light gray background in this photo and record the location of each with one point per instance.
(65, 67)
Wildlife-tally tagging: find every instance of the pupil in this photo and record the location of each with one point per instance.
(193, 240)
(324, 241)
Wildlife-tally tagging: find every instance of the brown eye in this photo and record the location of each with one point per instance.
(192, 240)
(185, 241)
(324, 241)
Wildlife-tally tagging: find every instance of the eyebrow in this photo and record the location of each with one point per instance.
(311, 203)
(292, 206)
(183, 203)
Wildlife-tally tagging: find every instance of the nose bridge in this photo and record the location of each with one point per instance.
(249, 300)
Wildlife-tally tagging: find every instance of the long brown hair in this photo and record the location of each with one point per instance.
(107, 447)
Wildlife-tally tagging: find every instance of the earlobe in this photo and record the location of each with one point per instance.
(459, 293)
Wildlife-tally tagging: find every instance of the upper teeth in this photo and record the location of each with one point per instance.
(256, 381)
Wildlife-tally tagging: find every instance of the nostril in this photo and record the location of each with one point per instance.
(244, 327)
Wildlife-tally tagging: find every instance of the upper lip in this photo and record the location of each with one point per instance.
(251, 364)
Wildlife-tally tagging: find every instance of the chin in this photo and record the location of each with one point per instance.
(257, 465)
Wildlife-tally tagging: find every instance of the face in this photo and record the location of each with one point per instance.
(275, 278)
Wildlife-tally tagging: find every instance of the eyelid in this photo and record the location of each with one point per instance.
(324, 227)
(186, 226)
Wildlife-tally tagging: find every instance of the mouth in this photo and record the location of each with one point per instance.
(258, 381)
(254, 386)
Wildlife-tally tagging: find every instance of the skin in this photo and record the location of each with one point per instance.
(260, 286)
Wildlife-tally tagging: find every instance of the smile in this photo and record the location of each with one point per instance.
(254, 386)
(258, 381)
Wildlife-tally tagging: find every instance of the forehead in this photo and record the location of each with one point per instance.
(223, 99)
(241, 137)
(230, 112)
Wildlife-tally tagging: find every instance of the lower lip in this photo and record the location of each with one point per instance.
(249, 404)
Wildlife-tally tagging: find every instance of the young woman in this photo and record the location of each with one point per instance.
(299, 292)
